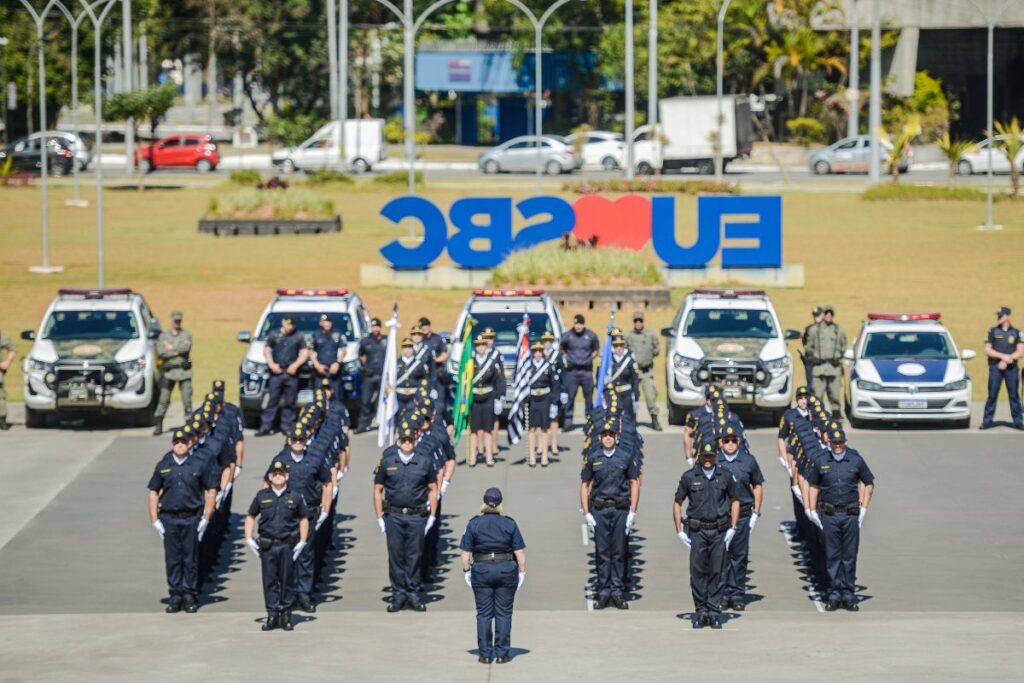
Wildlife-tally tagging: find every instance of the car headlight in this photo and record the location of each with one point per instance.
(252, 367)
(39, 367)
(453, 366)
(684, 363)
(133, 366)
(778, 365)
(868, 386)
(958, 385)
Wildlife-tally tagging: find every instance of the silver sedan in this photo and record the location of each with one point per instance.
(519, 155)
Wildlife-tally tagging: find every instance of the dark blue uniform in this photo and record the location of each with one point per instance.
(837, 480)
(1003, 341)
(438, 375)
(580, 350)
(624, 379)
(411, 376)
(493, 540)
(326, 347)
(182, 490)
(406, 508)
(283, 388)
(609, 504)
(707, 519)
(373, 349)
(747, 473)
(306, 478)
(279, 516)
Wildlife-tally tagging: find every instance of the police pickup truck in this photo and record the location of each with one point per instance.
(905, 367)
(350, 319)
(732, 339)
(94, 353)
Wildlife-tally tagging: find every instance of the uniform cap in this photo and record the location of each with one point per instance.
(325, 382)
(407, 343)
(176, 315)
(1003, 310)
(578, 318)
(802, 391)
(836, 433)
(211, 396)
(299, 432)
(492, 496)
(537, 346)
(324, 316)
(710, 391)
(827, 308)
(374, 322)
(489, 333)
(547, 336)
(406, 432)
(616, 332)
(179, 435)
(638, 315)
(707, 450)
(480, 339)
(425, 322)
(817, 310)
(218, 386)
(278, 466)
(610, 426)
(618, 341)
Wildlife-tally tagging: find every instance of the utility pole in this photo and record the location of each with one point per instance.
(853, 92)
(630, 91)
(126, 76)
(875, 107)
(652, 65)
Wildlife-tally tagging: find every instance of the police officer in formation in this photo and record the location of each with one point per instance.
(826, 342)
(412, 374)
(6, 359)
(541, 408)
(494, 564)
(285, 353)
(817, 315)
(609, 495)
(1003, 347)
(742, 465)
(437, 352)
(173, 349)
(488, 386)
(623, 375)
(580, 346)
(372, 350)
(405, 503)
(327, 351)
(559, 397)
(643, 344)
(499, 395)
(284, 528)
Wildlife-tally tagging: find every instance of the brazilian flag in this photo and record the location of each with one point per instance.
(464, 388)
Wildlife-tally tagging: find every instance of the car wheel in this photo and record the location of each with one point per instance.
(34, 419)
(963, 167)
(145, 166)
(553, 168)
(822, 168)
(491, 166)
(288, 167)
(645, 168)
(609, 163)
(83, 166)
(676, 414)
(360, 165)
(204, 166)
(706, 168)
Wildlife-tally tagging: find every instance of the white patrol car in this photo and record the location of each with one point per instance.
(906, 367)
(93, 353)
(733, 339)
(351, 320)
(502, 310)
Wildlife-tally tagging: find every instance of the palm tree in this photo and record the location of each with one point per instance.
(1012, 143)
(954, 151)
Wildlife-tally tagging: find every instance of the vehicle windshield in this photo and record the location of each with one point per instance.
(64, 325)
(729, 322)
(308, 322)
(909, 345)
(505, 324)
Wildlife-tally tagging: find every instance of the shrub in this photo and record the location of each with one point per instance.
(328, 176)
(805, 130)
(396, 178)
(292, 127)
(244, 177)
(552, 264)
(283, 204)
(892, 192)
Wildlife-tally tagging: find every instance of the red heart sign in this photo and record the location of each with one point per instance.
(624, 222)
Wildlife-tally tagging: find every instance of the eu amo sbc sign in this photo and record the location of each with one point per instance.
(482, 234)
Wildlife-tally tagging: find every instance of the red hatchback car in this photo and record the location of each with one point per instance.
(195, 151)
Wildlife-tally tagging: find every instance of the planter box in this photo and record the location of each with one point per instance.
(634, 298)
(268, 226)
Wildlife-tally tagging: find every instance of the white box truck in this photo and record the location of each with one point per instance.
(364, 148)
(685, 135)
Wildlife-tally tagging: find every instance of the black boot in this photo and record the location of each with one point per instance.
(174, 604)
(286, 620)
(656, 424)
(272, 621)
(158, 427)
(4, 424)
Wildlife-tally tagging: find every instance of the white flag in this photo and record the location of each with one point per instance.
(387, 401)
(521, 386)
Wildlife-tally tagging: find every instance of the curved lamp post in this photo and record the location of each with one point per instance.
(719, 67)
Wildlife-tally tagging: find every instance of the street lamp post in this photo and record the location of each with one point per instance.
(853, 92)
(990, 20)
(630, 94)
(343, 79)
(332, 58)
(719, 68)
(875, 106)
(652, 64)
(3, 84)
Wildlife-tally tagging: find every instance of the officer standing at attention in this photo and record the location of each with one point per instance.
(745, 470)
(817, 314)
(438, 356)
(825, 345)
(558, 396)
(328, 351)
(494, 563)
(173, 347)
(285, 353)
(182, 492)
(623, 377)
(1004, 348)
(405, 503)
(580, 345)
(284, 528)
(6, 358)
(643, 344)
(609, 495)
(372, 349)
(411, 375)
(712, 514)
(837, 504)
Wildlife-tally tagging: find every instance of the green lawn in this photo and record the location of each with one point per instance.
(859, 256)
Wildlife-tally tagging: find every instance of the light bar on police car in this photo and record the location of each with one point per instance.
(507, 292)
(904, 317)
(312, 292)
(93, 293)
(730, 293)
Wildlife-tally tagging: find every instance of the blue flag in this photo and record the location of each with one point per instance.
(603, 367)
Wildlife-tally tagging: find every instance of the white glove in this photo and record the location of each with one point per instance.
(251, 542)
(563, 398)
(815, 519)
(591, 522)
(433, 394)
(159, 526)
(630, 517)
(238, 470)
(498, 404)
(320, 520)
(860, 518)
(553, 412)
(297, 550)
(380, 523)
(342, 473)
(430, 522)
(684, 538)
(728, 537)
(227, 489)
(753, 520)
(445, 483)
(636, 407)
(203, 523)
(469, 580)
(689, 461)
(797, 493)
(220, 498)
(522, 578)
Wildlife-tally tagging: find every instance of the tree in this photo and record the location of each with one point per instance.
(140, 105)
(1011, 144)
(954, 149)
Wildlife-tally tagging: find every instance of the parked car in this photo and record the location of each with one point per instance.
(77, 143)
(25, 156)
(976, 161)
(197, 151)
(852, 155)
(364, 148)
(519, 155)
(598, 147)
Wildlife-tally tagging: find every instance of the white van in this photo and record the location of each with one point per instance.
(364, 148)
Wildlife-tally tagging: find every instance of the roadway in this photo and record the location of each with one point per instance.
(81, 574)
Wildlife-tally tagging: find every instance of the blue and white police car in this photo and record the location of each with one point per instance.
(906, 367)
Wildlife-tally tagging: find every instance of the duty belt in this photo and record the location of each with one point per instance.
(540, 392)
(182, 514)
(266, 543)
(714, 525)
(478, 391)
(746, 509)
(646, 368)
(621, 503)
(830, 509)
(406, 391)
(623, 387)
(422, 511)
(493, 557)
